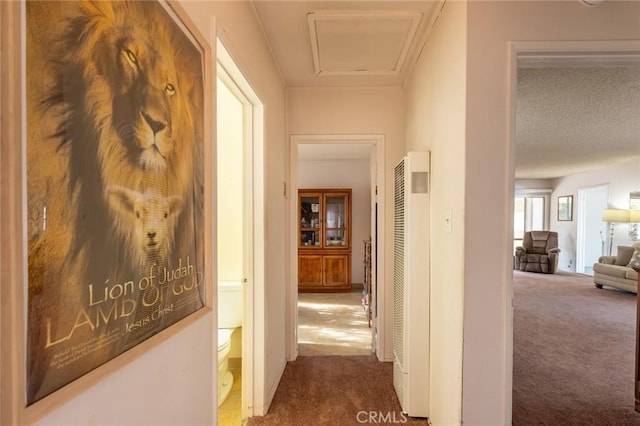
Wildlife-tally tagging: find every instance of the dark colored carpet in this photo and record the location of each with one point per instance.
(573, 364)
(573, 352)
(335, 390)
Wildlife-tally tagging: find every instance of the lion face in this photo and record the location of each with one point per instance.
(135, 66)
(145, 97)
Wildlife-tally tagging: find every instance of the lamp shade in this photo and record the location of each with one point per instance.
(634, 216)
(616, 215)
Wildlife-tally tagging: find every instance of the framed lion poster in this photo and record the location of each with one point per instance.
(114, 182)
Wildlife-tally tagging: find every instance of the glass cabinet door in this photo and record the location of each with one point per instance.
(336, 220)
(310, 220)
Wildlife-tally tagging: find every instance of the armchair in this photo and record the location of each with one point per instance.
(539, 252)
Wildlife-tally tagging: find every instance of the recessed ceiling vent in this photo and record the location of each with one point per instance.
(361, 43)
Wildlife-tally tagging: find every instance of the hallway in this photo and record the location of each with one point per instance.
(408, 76)
(335, 390)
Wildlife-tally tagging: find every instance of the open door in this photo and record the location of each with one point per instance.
(591, 228)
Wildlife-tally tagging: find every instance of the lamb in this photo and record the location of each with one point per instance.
(146, 222)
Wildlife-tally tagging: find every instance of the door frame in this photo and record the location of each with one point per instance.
(581, 225)
(253, 328)
(377, 163)
(549, 51)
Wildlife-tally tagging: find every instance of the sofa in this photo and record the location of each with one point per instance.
(618, 271)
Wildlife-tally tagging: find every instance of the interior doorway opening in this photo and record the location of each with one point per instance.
(240, 254)
(328, 148)
(550, 53)
(592, 234)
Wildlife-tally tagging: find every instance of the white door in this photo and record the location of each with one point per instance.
(591, 238)
(240, 125)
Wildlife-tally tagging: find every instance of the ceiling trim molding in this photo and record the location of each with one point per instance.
(578, 60)
(535, 54)
(314, 18)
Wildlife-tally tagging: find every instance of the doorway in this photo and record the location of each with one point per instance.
(240, 234)
(373, 145)
(547, 52)
(591, 235)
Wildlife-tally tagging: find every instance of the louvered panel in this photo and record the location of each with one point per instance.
(398, 263)
(411, 302)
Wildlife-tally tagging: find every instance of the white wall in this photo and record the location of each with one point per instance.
(239, 28)
(359, 111)
(435, 117)
(489, 177)
(230, 185)
(170, 385)
(175, 382)
(621, 179)
(354, 174)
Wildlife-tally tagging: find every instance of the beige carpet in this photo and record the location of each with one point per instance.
(332, 324)
(573, 352)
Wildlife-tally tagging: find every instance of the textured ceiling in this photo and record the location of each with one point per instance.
(570, 120)
(571, 116)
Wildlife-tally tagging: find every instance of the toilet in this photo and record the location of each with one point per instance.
(229, 318)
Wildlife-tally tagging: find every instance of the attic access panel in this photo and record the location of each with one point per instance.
(361, 43)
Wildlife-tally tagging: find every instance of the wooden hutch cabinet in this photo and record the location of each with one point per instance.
(324, 240)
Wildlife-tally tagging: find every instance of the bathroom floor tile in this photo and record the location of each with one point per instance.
(230, 412)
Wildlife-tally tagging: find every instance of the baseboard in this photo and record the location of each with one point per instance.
(261, 411)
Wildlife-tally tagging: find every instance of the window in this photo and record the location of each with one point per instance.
(529, 214)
